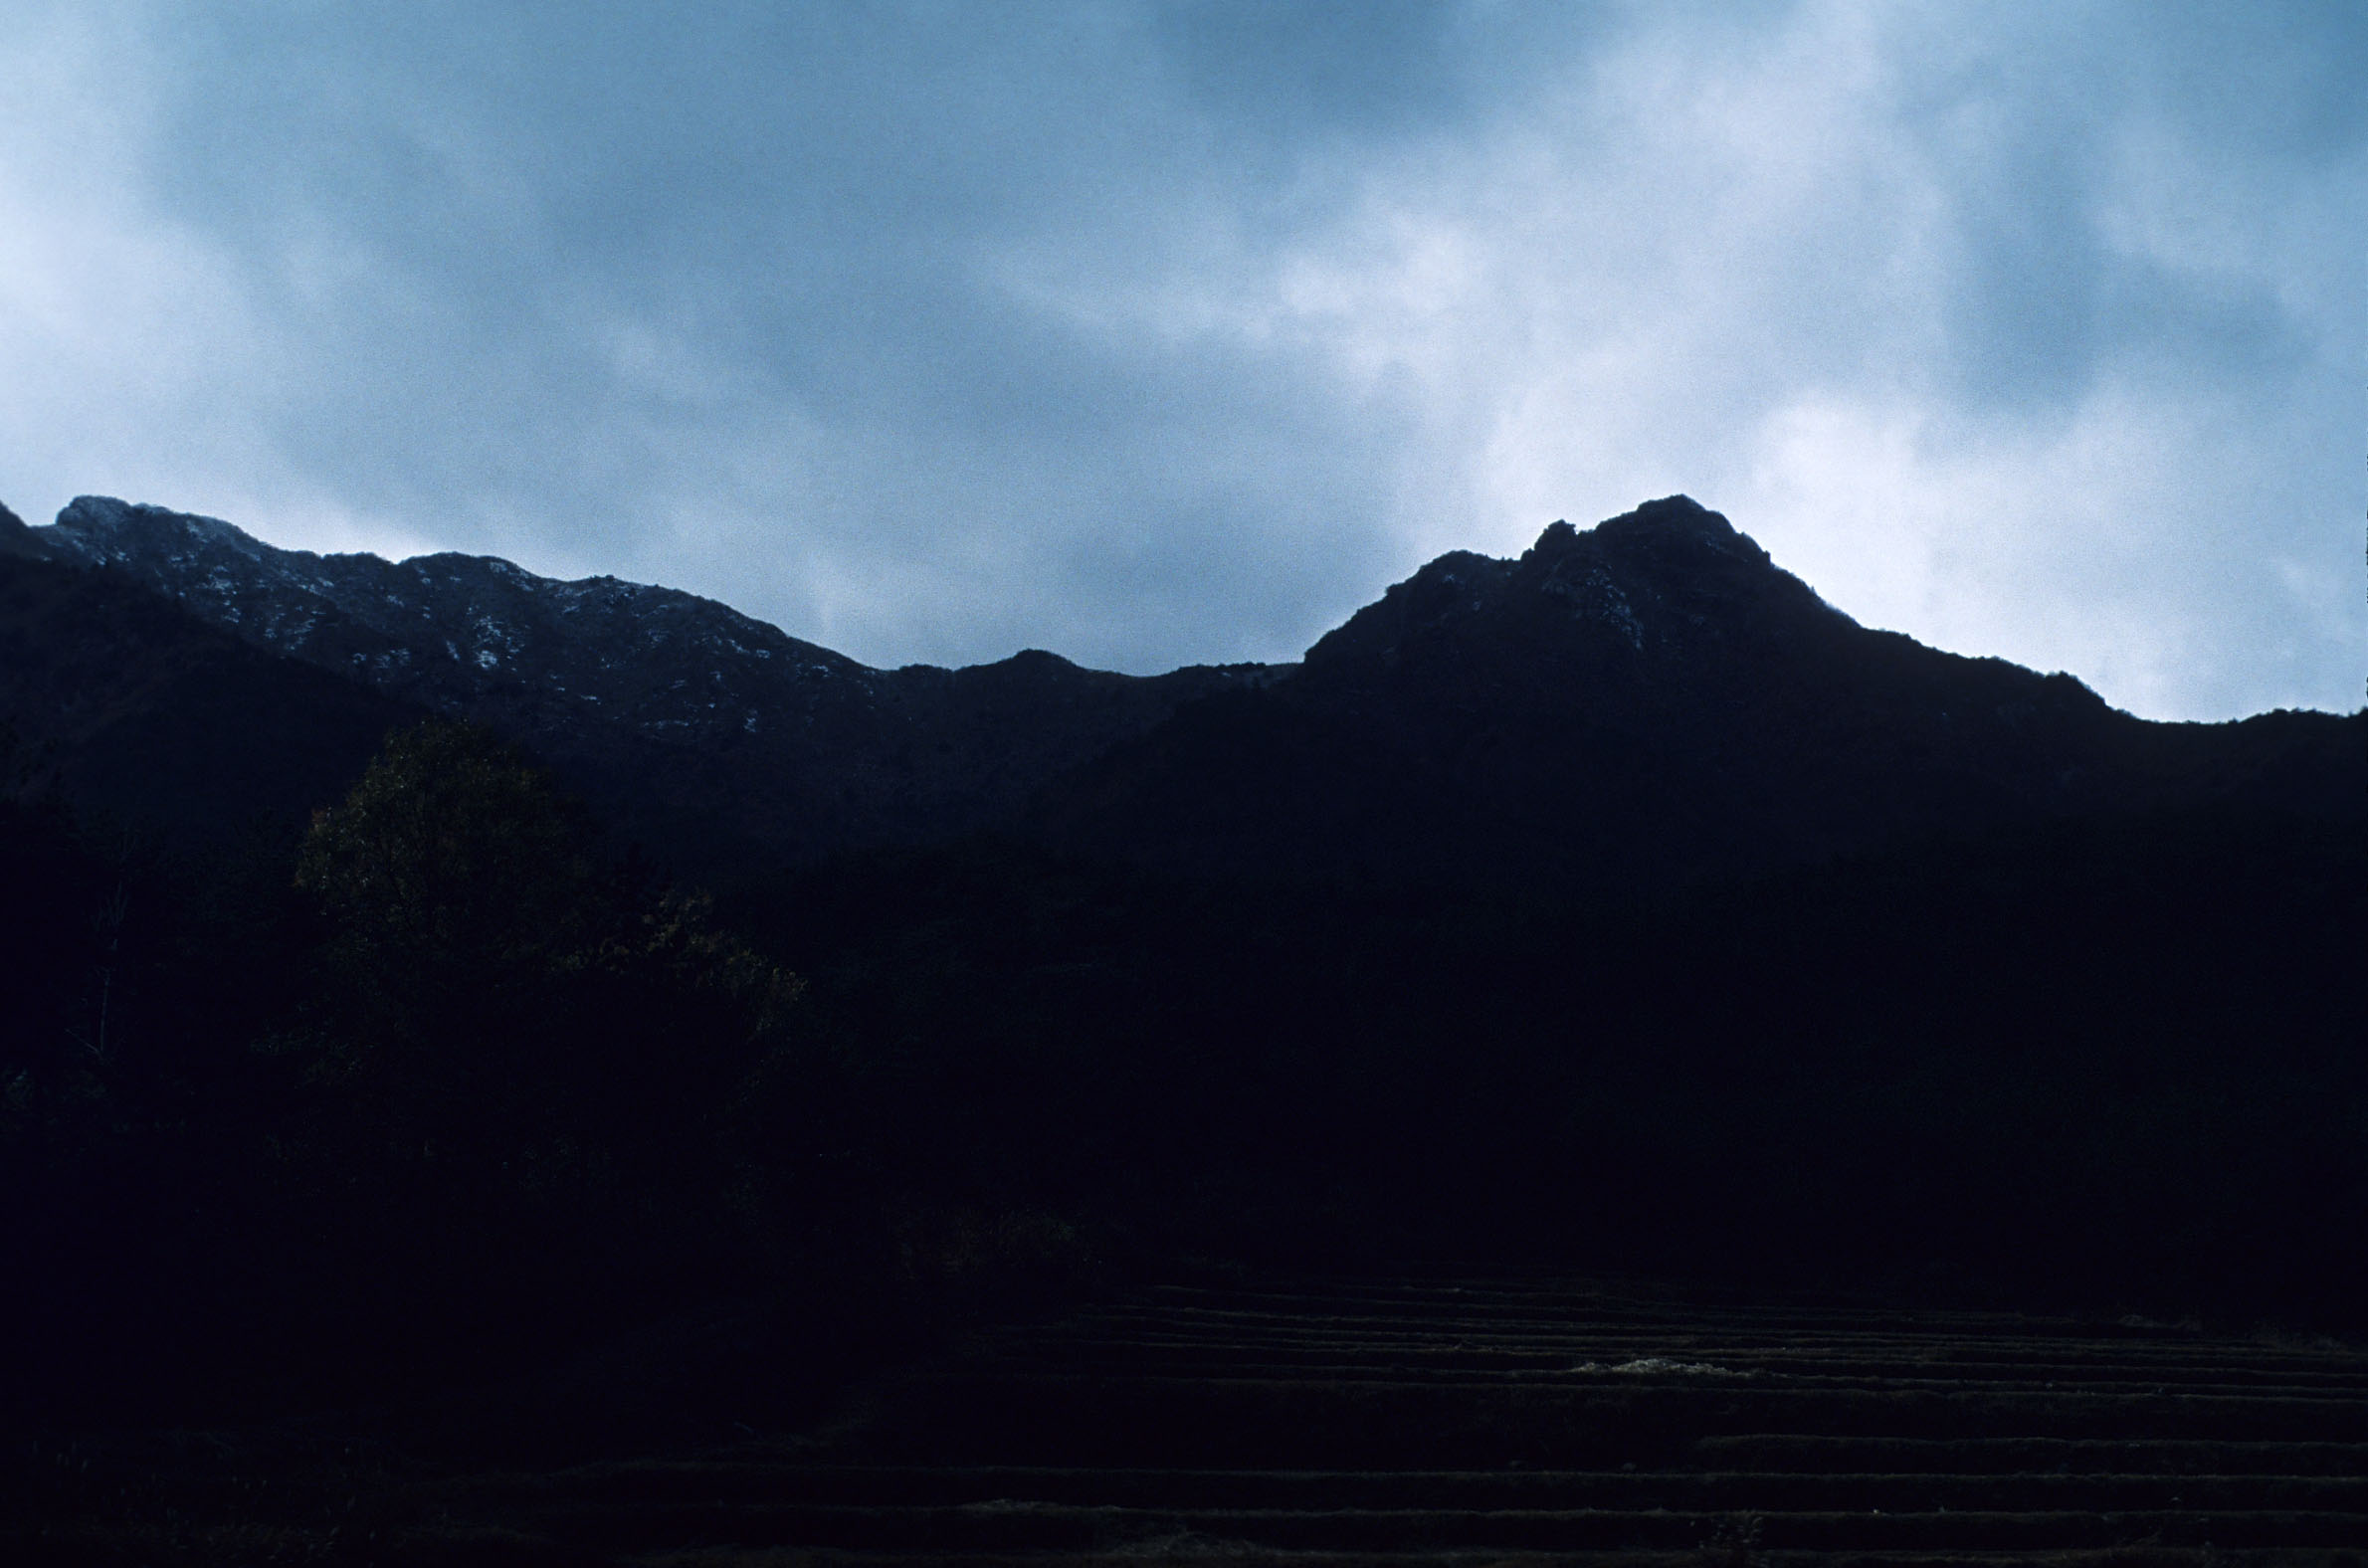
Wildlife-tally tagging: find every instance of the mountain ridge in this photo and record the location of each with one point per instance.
(1649, 701)
(134, 710)
(678, 711)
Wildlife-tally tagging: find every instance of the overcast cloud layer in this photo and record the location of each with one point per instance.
(1164, 334)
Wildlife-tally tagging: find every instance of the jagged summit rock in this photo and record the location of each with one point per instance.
(102, 522)
(457, 630)
(1671, 517)
(1651, 586)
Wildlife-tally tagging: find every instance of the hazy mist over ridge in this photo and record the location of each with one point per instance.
(1157, 334)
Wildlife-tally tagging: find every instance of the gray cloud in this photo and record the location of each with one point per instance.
(1162, 332)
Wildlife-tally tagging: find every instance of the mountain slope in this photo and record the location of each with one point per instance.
(1649, 701)
(1644, 704)
(709, 731)
(131, 706)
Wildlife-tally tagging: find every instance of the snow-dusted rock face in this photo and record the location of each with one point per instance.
(677, 709)
(460, 631)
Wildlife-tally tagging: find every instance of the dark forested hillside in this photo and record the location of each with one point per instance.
(1622, 907)
(136, 709)
(2110, 1058)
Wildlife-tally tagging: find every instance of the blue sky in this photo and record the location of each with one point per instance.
(1154, 334)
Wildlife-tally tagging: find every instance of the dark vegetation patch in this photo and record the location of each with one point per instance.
(2107, 1060)
(446, 1085)
(444, 1133)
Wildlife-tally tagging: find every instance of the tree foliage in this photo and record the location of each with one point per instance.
(511, 1046)
(453, 862)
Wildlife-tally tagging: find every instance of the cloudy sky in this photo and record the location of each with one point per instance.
(1154, 334)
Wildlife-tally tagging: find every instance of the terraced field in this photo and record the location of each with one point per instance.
(1513, 1424)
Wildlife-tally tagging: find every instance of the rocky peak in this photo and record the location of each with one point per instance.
(1672, 518)
(103, 530)
(457, 630)
(1669, 576)
(1673, 529)
(1683, 572)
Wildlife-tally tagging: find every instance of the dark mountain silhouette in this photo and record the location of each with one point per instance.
(709, 732)
(1650, 701)
(134, 708)
(1620, 907)
(1644, 704)
(17, 539)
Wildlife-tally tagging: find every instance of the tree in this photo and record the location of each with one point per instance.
(454, 865)
(522, 1049)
